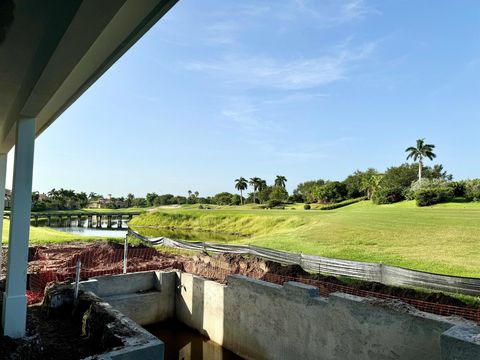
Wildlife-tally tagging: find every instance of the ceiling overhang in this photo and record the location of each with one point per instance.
(55, 49)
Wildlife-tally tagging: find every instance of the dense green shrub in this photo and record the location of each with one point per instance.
(331, 192)
(343, 203)
(472, 190)
(306, 191)
(223, 198)
(307, 207)
(274, 204)
(236, 200)
(359, 182)
(411, 193)
(278, 194)
(388, 195)
(458, 188)
(39, 206)
(432, 196)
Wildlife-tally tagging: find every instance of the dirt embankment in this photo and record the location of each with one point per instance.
(107, 258)
(220, 266)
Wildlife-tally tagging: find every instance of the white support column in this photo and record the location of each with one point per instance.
(3, 177)
(15, 300)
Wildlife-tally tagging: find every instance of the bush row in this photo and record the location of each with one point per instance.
(388, 195)
(432, 196)
(343, 203)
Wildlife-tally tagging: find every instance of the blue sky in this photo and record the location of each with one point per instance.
(306, 89)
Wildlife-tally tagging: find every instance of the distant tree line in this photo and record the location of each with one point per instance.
(66, 199)
(427, 185)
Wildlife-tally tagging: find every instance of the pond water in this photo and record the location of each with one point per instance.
(85, 231)
(82, 229)
(184, 343)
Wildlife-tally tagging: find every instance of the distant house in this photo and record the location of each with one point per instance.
(97, 204)
(109, 203)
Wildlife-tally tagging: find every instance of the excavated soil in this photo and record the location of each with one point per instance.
(104, 258)
(220, 266)
(47, 339)
(59, 338)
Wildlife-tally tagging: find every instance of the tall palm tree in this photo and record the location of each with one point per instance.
(255, 182)
(280, 181)
(420, 152)
(241, 184)
(262, 184)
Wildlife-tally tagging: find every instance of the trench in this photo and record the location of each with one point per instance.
(182, 342)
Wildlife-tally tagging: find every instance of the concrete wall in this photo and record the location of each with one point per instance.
(260, 320)
(144, 297)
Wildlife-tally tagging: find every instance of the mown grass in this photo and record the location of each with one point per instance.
(443, 239)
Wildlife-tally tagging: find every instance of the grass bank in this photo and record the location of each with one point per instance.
(442, 239)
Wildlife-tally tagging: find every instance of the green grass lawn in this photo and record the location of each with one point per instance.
(442, 239)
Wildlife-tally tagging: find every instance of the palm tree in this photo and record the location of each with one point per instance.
(280, 181)
(241, 184)
(255, 182)
(372, 184)
(262, 184)
(420, 152)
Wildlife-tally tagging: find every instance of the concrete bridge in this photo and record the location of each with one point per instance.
(90, 216)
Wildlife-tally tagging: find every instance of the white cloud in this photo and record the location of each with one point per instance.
(267, 72)
(295, 152)
(244, 115)
(329, 13)
(294, 97)
(221, 33)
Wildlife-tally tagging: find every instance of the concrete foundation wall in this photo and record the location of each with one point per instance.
(259, 320)
(144, 297)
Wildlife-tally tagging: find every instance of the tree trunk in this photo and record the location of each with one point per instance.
(241, 197)
(420, 166)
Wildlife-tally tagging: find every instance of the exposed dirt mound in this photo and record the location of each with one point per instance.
(436, 297)
(218, 267)
(57, 262)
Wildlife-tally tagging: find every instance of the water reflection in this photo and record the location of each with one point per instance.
(183, 343)
(85, 231)
(81, 228)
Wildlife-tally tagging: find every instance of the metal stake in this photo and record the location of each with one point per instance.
(125, 254)
(77, 278)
